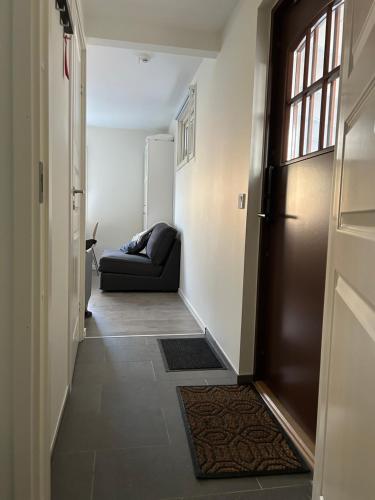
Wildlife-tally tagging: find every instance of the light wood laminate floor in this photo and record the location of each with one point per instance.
(117, 314)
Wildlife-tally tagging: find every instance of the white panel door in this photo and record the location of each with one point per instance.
(345, 453)
(145, 194)
(75, 308)
(160, 182)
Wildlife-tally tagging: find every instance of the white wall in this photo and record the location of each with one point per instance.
(206, 190)
(6, 252)
(115, 184)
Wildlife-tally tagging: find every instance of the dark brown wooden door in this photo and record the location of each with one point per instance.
(297, 190)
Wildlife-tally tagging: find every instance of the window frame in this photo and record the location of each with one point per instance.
(186, 128)
(329, 76)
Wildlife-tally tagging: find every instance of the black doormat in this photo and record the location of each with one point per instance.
(232, 433)
(189, 354)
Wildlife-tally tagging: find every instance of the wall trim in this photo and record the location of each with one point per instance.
(192, 309)
(205, 330)
(63, 404)
(215, 344)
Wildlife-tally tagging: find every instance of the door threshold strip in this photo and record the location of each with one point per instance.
(300, 439)
(145, 335)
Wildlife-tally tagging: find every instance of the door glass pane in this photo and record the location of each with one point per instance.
(298, 68)
(336, 35)
(294, 130)
(330, 123)
(317, 48)
(312, 122)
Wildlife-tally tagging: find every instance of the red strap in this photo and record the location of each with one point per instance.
(66, 57)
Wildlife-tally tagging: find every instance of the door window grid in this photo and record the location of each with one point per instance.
(313, 89)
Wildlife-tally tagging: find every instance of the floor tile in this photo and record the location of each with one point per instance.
(292, 493)
(199, 375)
(72, 476)
(90, 352)
(230, 379)
(158, 394)
(116, 429)
(214, 377)
(285, 480)
(112, 371)
(154, 474)
(122, 434)
(111, 344)
(84, 399)
(123, 353)
(176, 428)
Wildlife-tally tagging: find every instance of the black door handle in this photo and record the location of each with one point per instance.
(267, 213)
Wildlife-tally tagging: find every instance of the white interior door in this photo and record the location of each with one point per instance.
(346, 433)
(160, 182)
(145, 194)
(77, 202)
(58, 200)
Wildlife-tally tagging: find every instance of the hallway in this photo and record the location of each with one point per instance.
(122, 435)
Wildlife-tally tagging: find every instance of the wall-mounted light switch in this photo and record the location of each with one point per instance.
(242, 201)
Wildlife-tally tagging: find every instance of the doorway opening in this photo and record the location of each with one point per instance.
(133, 99)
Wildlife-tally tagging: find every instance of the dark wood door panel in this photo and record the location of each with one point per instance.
(294, 256)
(294, 239)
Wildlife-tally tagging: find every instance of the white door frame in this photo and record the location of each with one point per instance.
(81, 34)
(257, 151)
(31, 450)
(30, 139)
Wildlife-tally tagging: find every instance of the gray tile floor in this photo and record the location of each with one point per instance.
(122, 436)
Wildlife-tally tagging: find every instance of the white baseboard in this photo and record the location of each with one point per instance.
(192, 309)
(220, 349)
(59, 419)
(205, 330)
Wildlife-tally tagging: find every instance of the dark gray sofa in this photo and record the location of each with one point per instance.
(157, 270)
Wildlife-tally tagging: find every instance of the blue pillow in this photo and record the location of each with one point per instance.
(137, 243)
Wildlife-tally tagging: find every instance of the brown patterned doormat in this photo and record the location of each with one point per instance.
(232, 433)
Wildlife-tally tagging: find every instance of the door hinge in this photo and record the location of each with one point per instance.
(41, 182)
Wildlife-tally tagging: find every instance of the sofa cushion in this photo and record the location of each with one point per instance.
(160, 243)
(137, 243)
(118, 262)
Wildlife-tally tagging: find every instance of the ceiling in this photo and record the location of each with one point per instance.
(122, 93)
(197, 15)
